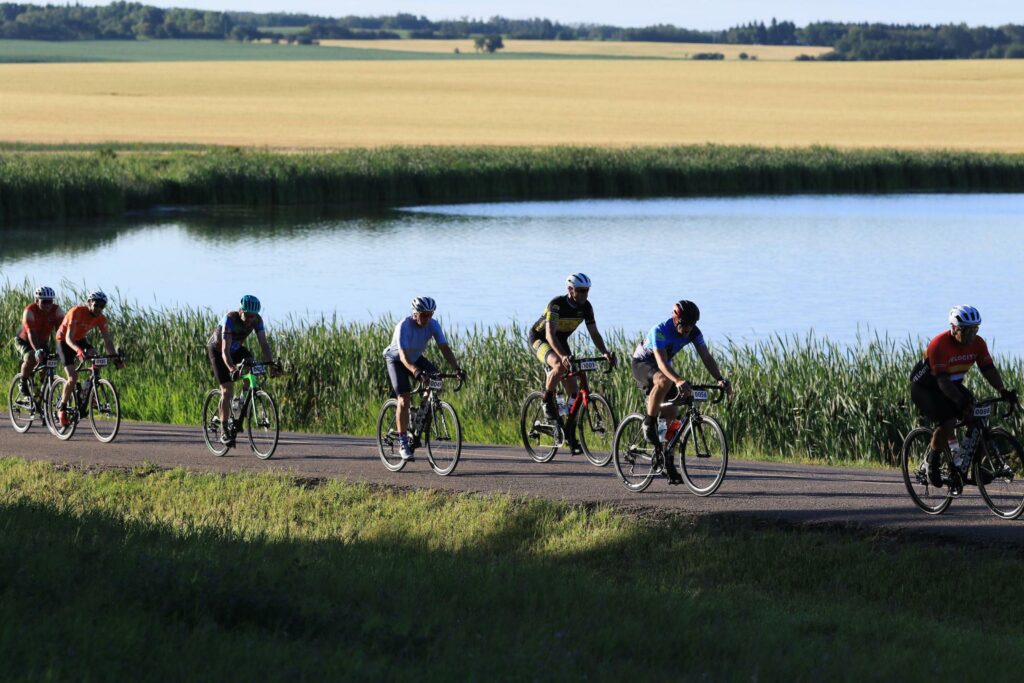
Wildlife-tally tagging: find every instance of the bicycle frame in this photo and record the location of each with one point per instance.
(581, 368)
(699, 394)
(429, 397)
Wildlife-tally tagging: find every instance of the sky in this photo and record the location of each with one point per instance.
(699, 14)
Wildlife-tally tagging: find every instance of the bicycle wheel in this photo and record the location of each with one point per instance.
(999, 474)
(540, 437)
(53, 398)
(104, 411)
(596, 424)
(444, 439)
(387, 437)
(264, 429)
(703, 455)
(633, 454)
(19, 407)
(211, 423)
(932, 499)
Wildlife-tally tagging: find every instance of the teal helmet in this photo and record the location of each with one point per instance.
(250, 304)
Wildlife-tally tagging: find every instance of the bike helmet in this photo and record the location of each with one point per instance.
(45, 293)
(964, 316)
(97, 295)
(423, 304)
(249, 304)
(686, 311)
(578, 281)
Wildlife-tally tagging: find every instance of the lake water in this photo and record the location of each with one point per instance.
(756, 266)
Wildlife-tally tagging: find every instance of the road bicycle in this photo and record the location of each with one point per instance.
(254, 410)
(589, 416)
(702, 456)
(433, 423)
(24, 410)
(95, 398)
(990, 458)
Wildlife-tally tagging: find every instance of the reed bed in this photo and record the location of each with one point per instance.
(804, 398)
(107, 182)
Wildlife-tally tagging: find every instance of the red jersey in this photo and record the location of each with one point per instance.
(946, 355)
(41, 323)
(78, 322)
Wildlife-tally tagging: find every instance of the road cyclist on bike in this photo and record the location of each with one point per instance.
(405, 361)
(226, 350)
(73, 345)
(39, 320)
(653, 372)
(549, 340)
(936, 382)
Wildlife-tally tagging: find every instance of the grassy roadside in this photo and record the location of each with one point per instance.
(106, 183)
(256, 576)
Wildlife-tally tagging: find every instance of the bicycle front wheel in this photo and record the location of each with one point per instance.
(211, 423)
(263, 426)
(387, 437)
(104, 411)
(999, 473)
(703, 455)
(444, 439)
(19, 407)
(596, 423)
(54, 394)
(633, 454)
(540, 437)
(932, 499)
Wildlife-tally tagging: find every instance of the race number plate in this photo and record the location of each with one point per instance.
(700, 395)
(983, 411)
(435, 384)
(99, 362)
(259, 369)
(588, 365)
(52, 363)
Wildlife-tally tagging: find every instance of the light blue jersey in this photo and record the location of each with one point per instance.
(413, 338)
(666, 337)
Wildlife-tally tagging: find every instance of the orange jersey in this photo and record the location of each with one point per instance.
(41, 323)
(946, 355)
(78, 322)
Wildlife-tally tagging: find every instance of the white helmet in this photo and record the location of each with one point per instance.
(98, 295)
(578, 281)
(424, 303)
(963, 315)
(45, 293)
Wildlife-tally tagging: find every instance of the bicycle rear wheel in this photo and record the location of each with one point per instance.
(263, 427)
(596, 423)
(703, 455)
(19, 407)
(54, 395)
(104, 411)
(444, 439)
(540, 437)
(932, 499)
(633, 454)
(211, 423)
(999, 474)
(387, 437)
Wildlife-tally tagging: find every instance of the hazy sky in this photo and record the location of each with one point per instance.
(703, 14)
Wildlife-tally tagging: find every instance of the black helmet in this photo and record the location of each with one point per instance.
(686, 311)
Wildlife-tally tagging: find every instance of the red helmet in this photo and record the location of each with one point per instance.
(686, 311)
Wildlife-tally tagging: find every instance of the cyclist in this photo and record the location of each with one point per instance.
(936, 382)
(549, 339)
(653, 373)
(38, 321)
(227, 351)
(405, 360)
(72, 344)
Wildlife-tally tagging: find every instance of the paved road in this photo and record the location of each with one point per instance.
(799, 494)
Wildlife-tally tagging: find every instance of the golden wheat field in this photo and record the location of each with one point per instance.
(954, 104)
(591, 47)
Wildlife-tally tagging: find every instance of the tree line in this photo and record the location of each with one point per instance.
(850, 41)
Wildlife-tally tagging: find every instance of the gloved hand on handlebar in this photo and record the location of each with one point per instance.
(40, 355)
(612, 359)
(1009, 395)
(461, 372)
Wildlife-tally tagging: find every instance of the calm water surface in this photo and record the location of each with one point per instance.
(756, 266)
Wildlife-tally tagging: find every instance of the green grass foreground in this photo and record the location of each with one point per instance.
(167, 575)
(72, 184)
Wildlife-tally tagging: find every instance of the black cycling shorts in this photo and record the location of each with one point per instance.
(67, 355)
(934, 404)
(643, 375)
(401, 378)
(220, 370)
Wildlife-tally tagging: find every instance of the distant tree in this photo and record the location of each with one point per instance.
(493, 43)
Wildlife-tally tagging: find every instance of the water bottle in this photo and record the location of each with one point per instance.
(673, 427)
(236, 407)
(955, 451)
(563, 407)
(662, 429)
(87, 387)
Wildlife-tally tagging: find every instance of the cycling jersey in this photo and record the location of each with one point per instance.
(566, 315)
(945, 355)
(236, 328)
(413, 338)
(666, 337)
(78, 322)
(42, 324)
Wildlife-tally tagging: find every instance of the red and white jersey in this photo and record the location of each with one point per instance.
(946, 355)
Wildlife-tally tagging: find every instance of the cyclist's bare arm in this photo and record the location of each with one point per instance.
(403, 356)
(261, 336)
(449, 356)
(26, 321)
(712, 365)
(225, 346)
(993, 377)
(598, 340)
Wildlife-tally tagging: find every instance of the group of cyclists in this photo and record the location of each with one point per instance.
(936, 382)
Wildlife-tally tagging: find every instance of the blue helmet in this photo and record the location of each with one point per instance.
(250, 304)
(424, 303)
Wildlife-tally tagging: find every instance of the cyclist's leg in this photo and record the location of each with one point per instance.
(69, 359)
(554, 375)
(937, 407)
(223, 379)
(28, 360)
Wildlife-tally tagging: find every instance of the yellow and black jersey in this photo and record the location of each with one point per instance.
(565, 315)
